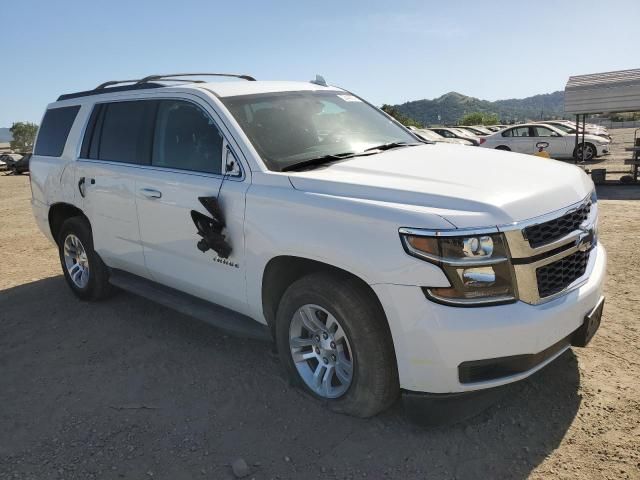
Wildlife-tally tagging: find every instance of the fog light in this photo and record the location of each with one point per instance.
(478, 277)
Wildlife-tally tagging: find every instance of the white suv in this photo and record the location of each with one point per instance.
(378, 262)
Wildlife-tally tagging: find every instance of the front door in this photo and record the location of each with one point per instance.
(186, 164)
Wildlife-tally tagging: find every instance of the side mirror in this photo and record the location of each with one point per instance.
(231, 165)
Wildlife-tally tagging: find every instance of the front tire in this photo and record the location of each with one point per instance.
(335, 343)
(590, 152)
(84, 271)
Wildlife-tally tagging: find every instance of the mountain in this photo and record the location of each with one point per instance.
(5, 135)
(452, 106)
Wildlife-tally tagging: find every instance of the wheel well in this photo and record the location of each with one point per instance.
(60, 212)
(282, 271)
(503, 147)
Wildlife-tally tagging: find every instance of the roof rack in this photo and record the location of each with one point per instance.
(148, 82)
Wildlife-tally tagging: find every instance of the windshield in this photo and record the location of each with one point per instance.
(292, 127)
(462, 132)
(563, 127)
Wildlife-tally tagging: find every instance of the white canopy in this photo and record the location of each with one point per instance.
(603, 92)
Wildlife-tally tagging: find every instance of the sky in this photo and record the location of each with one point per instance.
(386, 51)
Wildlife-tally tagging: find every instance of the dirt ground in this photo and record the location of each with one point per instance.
(128, 389)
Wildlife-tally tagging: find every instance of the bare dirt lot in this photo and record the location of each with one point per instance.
(127, 389)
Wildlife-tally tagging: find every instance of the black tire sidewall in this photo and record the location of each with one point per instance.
(80, 228)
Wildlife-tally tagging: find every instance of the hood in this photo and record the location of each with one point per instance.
(470, 187)
(594, 138)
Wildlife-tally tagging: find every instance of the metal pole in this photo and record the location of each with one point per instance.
(584, 120)
(575, 157)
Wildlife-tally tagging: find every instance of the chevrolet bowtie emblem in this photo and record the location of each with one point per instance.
(585, 240)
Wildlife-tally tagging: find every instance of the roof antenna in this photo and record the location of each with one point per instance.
(319, 81)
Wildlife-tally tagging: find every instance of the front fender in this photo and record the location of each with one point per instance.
(356, 235)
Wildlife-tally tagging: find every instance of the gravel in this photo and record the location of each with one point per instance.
(128, 389)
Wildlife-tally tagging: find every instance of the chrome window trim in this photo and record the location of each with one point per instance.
(155, 97)
(167, 169)
(519, 248)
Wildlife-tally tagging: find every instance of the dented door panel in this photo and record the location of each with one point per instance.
(170, 238)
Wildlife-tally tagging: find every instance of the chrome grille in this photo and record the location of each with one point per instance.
(558, 275)
(547, 232)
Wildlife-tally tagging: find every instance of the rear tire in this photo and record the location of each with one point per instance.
(85, 272)
(504, 148)
(343, 326)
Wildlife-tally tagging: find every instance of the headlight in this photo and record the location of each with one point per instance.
(477, 267)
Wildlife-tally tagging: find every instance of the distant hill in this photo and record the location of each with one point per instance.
(452, 106)
(5, 135)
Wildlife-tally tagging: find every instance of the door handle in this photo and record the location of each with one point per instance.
(81, 186)
(151, 193)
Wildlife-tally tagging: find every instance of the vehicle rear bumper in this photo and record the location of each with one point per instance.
(432, 341)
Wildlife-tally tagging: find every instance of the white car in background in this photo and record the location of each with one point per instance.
(450, 132)
(524, 138)
(477, 131)
(435, 137)
(570, 127)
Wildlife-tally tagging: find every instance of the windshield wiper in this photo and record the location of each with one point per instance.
(390, 145)
(323, 160)
(315, 162)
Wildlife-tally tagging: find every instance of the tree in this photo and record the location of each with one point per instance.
(24, 134)
(403, 119)
(478, 118)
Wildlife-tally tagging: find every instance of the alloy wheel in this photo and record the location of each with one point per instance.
(321, 351)
(76, 261)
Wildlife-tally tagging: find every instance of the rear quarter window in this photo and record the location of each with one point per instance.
(54, 130)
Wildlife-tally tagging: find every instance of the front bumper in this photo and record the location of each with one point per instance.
(603, 149)
(432, 340)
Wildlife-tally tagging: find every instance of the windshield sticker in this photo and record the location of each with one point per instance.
(349, 98)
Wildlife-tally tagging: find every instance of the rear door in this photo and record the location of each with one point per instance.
(116, 145)
(189, 150)
(519, 139)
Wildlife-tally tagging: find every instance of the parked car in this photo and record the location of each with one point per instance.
(449, 132)
(21, 166)
(475, 130)
(10, 158)
(523, 139)
(378, 263)
(570, 128)
(432, 136)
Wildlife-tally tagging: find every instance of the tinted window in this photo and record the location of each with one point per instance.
(508, 133)
(544, 132)
(520, 132)
(123, 132)
(55, 130)
(186, 138)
